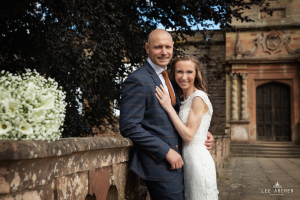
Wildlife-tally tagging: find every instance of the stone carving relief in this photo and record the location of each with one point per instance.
(277, 14)
(239, 47)
(272, 42)
(247, 53)
(287, 41)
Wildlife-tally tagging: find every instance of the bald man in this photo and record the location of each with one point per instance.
(157, 151)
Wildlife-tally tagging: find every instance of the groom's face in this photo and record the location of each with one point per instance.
(160, 49)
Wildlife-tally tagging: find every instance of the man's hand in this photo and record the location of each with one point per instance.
(209, 141)
(174, 159)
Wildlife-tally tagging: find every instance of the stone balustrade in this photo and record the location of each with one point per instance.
(77, 168)
(221, 150)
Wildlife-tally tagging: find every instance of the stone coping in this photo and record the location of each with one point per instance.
(21, 150)
(221, 136)
(239, 122)
(290, 59)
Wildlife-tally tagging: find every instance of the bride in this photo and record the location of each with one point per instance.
(192, 125)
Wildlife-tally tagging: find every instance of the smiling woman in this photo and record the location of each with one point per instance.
(192, 123)
(187, 71)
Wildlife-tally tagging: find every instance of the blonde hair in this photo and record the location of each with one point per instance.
(199, 79)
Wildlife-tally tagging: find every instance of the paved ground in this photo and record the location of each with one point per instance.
(246, 178)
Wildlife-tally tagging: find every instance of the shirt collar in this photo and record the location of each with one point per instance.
(157, 69)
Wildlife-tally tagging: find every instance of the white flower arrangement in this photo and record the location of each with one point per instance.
(31, 107)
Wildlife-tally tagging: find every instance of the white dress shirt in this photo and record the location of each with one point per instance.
(159, 71)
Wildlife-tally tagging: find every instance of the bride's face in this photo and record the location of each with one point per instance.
(185, 73)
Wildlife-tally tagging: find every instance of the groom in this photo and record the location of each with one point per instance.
(157, 152)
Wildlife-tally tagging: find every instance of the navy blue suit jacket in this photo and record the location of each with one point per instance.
(143, 120)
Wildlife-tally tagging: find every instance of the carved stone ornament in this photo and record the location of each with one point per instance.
(239, 47)
(247, 53)
(272, 42)
(287, 41)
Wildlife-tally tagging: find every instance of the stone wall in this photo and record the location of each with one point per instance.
(221, 150)
(217, 92)
(71, 168)
(286, 13)
(76, 168)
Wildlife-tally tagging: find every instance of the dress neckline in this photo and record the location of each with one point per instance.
(189, 97)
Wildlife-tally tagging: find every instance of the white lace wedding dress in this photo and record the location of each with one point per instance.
(199, 170)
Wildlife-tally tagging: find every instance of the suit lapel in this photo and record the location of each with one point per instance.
(157, 81)
(154, 76)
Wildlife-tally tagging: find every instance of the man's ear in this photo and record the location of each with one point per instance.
(147, 48)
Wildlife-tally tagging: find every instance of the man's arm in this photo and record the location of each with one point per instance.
(131, 116)
(209, 141)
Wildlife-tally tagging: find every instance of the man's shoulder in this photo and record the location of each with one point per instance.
(141, 73)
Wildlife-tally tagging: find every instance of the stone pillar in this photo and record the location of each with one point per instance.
(228, 102)
(244, 97)
(234, 115)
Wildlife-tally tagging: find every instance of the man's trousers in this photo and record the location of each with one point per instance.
(166, 190)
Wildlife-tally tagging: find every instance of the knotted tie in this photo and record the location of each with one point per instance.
(166, 77)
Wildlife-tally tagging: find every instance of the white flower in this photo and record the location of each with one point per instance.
(48, 103)
(10, 105)
(3, 94)
(5, 126)
(25, 128)
(30, 92)
(52, 127)
(16, 120)
(32, 107)
(38, 114)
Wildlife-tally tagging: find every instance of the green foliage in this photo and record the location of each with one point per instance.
(82, 43)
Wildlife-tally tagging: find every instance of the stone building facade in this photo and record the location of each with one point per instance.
(262, 91)
(258, 99)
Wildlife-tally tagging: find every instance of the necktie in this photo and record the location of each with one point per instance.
(166, 77)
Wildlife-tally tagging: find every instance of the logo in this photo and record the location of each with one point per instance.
(277, 185)
(277, 190)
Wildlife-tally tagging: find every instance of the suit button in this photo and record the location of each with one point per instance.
(176, 146)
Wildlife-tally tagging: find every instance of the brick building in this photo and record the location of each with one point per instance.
(259, 99)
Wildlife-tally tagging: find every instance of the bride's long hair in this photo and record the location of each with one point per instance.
(200, 82)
